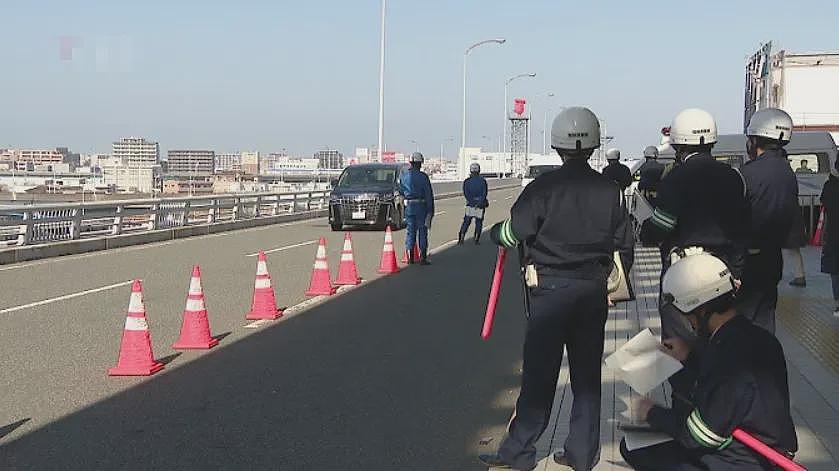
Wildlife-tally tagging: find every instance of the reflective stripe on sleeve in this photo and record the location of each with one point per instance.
(664, 220)
(703, 434)
(506, 235)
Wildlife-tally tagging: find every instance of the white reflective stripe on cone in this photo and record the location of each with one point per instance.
(194, 304)
(388, 249)
(136, 323)
(261, 268)
(321, 251)
(195, 286)
(346, 257)
(321, 265)
(135, 304)
(347, 246)
(262, 283)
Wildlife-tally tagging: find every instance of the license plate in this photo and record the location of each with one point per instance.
(359, 215)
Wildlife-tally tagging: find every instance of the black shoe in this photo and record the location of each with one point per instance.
(495, 461)
(799, 282)
(424, 261)
(477, 241)
(561, 459)
(460, 240)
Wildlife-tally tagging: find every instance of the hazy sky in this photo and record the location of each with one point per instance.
(303, 75)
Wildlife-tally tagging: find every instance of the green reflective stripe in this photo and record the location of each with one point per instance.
(663, 220)
(508, 238)
(703, 434)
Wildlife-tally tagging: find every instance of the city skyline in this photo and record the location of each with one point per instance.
(304, 77)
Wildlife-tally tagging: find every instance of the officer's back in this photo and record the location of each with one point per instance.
(650, 175)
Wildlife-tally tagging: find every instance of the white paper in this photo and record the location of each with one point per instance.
(641, 364)
(636, 440)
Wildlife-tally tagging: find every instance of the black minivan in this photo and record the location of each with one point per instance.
(367, 195)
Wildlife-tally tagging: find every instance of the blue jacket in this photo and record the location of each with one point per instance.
(419, 197)
(475, 190)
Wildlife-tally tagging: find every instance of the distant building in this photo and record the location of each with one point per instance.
(363, 155)
(330, 159)
(191, 162)
(250, 163)
(228, 162)
(117, 174)
(268, 163)
(137, 152)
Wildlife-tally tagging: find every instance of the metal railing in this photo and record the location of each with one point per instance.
(44, 223)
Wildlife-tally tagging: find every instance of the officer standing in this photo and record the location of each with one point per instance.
(571, 221)
(772, 192)
(475, 191)
(700, 203)
(419, 208)
(616, 171)
(742, 381)
(651, 173)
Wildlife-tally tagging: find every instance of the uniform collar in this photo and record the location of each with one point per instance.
(729, 328)
(697, 155)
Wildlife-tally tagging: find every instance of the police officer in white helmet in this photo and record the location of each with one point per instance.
(616, 171)
(772, 192)
(701, 203)
(419, 209)
(570, 222)
(743, 381)
(650, 174)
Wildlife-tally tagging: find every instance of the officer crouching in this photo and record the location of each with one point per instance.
(570, 221)
(742, 380)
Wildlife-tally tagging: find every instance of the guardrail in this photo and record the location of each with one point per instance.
(40, 224)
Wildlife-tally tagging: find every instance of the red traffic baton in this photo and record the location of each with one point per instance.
(494, 291)
(767, 452)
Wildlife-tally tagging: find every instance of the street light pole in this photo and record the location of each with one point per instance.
(506, 109)
(465, 57)
(545, 127)
(416, 144)
(382, 81)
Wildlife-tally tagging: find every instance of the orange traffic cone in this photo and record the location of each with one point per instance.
(817, 234)
(347, 270)
(388, 264)
(135, 354)
(195, 330)
(264, 304)
(416, 254)
(320, 284)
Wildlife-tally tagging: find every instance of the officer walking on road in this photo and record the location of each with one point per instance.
(570, 221)
(742, 381)
(772, 192)
(475, 191)
(616, 171)
(700, 203)
(419, 208)
(650, 174)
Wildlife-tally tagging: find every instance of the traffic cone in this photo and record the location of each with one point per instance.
(347, 271)
(817, 234)
(195, 330)
(416, 254)
(388, 264)
(320, 284)
(135, 353)
(264, 304)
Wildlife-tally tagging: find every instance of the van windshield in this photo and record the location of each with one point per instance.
(367, 177)
(537, 170)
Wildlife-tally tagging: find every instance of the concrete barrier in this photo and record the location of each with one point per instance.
(71, 247)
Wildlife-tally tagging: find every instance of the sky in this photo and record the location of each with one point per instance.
(303, 75)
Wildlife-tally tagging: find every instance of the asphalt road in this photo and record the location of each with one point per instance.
(389, 375)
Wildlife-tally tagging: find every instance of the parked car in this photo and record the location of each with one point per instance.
(367, 195)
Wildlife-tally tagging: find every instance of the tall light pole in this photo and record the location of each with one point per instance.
(442, 150)
(545, 124)
(506, 112)
(382, 82)
(465, 57)
(416, 144)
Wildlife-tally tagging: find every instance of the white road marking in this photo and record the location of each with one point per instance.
(65, 297)
(287, 247)
(301, 307)
(443, 246)
(439, 213)
(509, 197)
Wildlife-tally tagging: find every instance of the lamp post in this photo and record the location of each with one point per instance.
(506, 112)
(382, 80)
(442, 144)
(415, 143)
(465, 57)
(545, 125)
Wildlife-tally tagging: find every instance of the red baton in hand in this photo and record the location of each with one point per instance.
(770, 454)
(489, 317)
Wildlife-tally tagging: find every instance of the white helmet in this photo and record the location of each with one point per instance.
(694, 280)
(575, 128)
(613, 154)
(416, 157)
(693, 127)
(771, 123)
(475, 168)
(651, 152)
